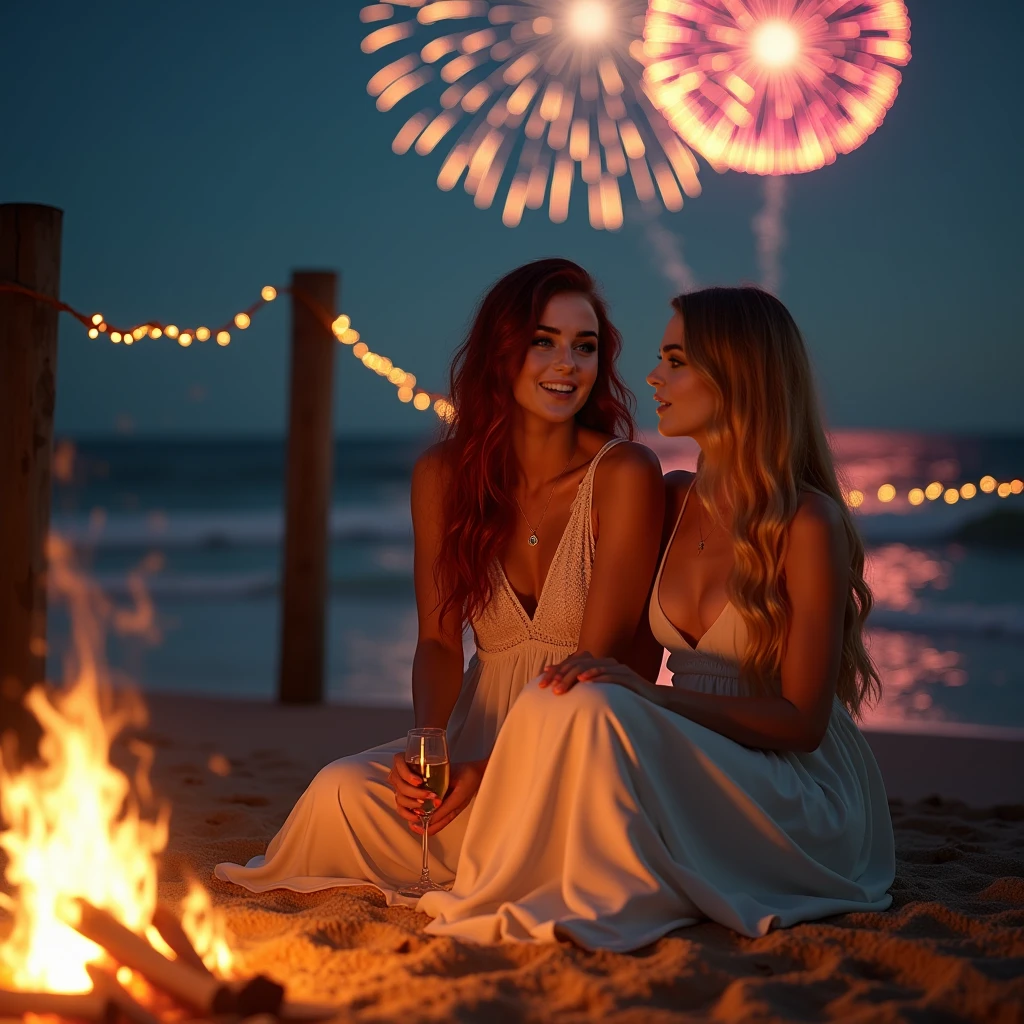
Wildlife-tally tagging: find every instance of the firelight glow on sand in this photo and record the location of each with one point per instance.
(775, 86)
(533, 91)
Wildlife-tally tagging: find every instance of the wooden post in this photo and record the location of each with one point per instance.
(30, 237)
(308, 495)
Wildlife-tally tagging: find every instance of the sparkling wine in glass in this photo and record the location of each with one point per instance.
(426, 754)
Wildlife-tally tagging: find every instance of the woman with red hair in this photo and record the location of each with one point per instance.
(537, 522)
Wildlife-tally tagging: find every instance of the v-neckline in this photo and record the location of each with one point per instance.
(661, 570)
(554, 558)
(531, 619)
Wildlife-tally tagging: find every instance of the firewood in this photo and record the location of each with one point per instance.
(91, 1006)
(174, 935)
(106, 985)
(196, 989)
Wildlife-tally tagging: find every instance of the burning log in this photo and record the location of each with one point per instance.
(174, 935)
(197, 989)
(108, 987)
(108, 1002)
(87, 1006)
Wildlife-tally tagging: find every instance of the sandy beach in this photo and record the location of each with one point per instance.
(951, 947)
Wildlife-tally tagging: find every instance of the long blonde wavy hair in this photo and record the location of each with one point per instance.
(769, 445)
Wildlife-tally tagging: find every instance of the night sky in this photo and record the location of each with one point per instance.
(201, 150)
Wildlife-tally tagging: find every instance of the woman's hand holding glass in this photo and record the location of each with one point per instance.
(410, 793)
(583, 667)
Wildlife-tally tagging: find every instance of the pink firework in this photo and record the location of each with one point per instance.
(775, 86)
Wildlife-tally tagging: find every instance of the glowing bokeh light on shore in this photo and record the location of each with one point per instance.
(533, 97)
(775, 86)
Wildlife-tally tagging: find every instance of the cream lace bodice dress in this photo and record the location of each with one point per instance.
(345, 829)
(613, 821)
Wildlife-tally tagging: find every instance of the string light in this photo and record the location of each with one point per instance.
(950, 494)
(341, 327)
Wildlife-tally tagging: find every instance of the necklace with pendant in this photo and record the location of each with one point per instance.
(534, 539)
(700, 545)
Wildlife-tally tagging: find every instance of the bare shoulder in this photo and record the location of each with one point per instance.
(629, 456)
(430, 474)
(627, 484)
(627, 465)
(677, 483)
(817, 528)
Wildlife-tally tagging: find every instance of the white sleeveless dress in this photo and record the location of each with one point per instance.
(608, 819)
(345, 829)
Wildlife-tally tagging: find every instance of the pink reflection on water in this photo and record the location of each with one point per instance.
(865, 459)
(911, 671)
(896, 572)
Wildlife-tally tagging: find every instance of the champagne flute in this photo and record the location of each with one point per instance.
(426, 754)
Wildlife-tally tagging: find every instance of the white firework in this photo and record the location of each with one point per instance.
(531, 92)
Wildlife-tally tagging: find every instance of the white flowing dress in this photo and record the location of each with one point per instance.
(610, 820)
(345, 829)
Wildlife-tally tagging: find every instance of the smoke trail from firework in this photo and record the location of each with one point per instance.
(668, 256)
(771, 233)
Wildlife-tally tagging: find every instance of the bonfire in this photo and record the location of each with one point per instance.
(82, 932)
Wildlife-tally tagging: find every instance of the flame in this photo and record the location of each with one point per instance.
(206, 930)
(75, 825)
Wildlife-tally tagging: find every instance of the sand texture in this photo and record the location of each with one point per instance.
(952, 947)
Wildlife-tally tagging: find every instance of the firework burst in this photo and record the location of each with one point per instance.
(532, 91)
(775, 86)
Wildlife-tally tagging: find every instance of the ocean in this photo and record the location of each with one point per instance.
(184, 536)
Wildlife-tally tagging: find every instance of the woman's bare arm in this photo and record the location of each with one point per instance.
(817, 581)
(437, 665)
(629, 499)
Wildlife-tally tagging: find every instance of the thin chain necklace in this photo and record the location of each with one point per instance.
(700, 545)
(534, 539)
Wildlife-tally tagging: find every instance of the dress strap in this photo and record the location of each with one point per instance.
(585, 496)
(600, 455)
(671, 540)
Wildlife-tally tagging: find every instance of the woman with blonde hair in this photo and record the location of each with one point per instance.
(743, 793)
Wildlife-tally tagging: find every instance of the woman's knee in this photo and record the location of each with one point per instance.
(583, 699)
(597, 699)
(346, 775)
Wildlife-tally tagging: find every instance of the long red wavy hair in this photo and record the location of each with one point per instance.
(478, 509)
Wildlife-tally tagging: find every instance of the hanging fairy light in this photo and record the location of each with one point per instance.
(341, 327)
(534, 95)
(775, 86)
(951, 494)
